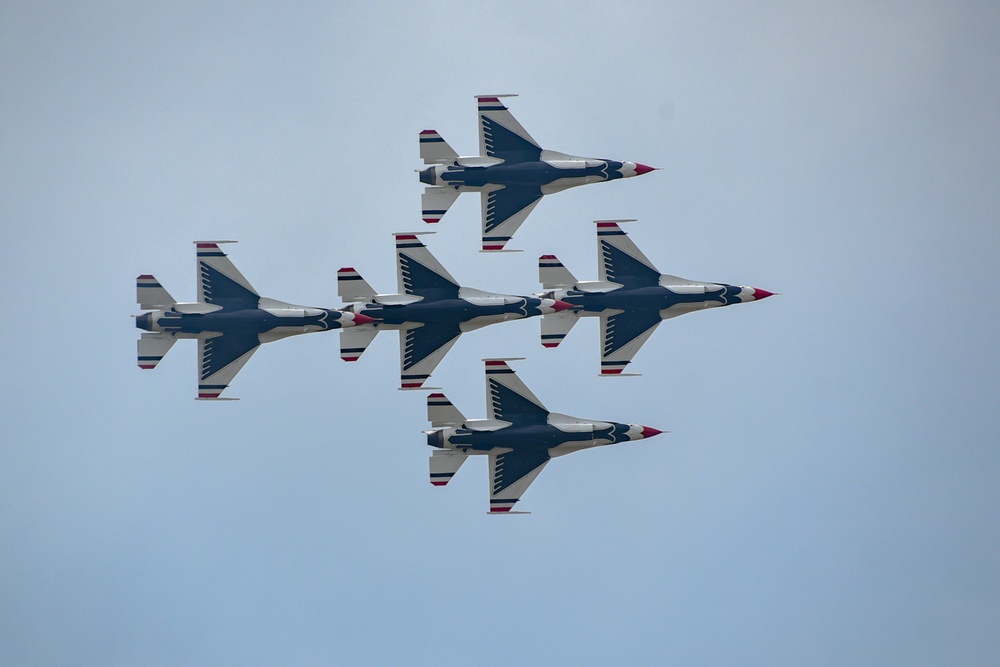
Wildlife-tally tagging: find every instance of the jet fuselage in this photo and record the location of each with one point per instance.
(243, 320)
(569, 172)
(535, 436)
(658, 297)
(457, 311)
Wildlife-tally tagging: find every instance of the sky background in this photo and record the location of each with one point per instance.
(828, 492)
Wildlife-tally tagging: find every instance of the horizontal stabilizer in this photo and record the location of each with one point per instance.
(552, 273)
(355, 340)
(152, 347)
(441, 412)
(555, 326)
(444, 464)
(150, 295)
(434, 149)
(352, 287)
(436, 201)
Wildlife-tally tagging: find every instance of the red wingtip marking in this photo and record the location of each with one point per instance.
(406, 237)
(428, 131)
(436, 394)
(349, 358)
(431, 221)
(494, 510)
(610, 371)
(548, 257)
(439, 483)
(607, 224)
(146, 367)
(496, 363)
(550, 344)
(347, 269)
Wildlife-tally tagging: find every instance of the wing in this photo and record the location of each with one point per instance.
(620, 261)
(504, 210)
(418, 271)
(511, 473)
(509, 399)
(421, 349)
(219, 281)
(221, 358)
(501, 136)
(434, 149)
(622, 335)
(355, 340)
(152, 347)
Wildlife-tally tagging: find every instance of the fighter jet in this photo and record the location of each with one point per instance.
(519, 435)
(512, 172)
(230, 320)
(430, 312)
(631, 297)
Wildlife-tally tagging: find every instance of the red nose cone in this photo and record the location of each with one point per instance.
(649, 431)
(641, 169)
(363, 319)
(759, 293)
(562, 305)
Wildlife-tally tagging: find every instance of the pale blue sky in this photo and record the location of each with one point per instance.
(827, 494)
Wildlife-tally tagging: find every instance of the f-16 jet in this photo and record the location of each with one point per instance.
(520, 436)
(230, 320)
(632, 297)
(430, 311)
(512, 172)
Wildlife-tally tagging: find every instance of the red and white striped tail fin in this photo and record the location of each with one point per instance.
(434, 149)
(151, 295)
(351, 287)
(552, 274)
(441, 411)
(152, 347)
(444, 463)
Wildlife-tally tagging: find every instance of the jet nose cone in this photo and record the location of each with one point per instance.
(759, 294)
(360, 319)
(641, 169)
(649, 431)
(563, 305)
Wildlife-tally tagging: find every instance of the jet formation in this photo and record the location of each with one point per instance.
(431, 310)
(512, 172)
